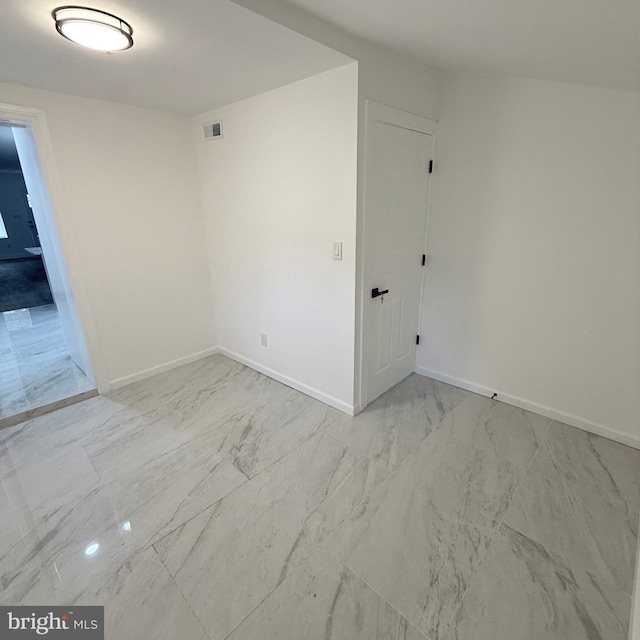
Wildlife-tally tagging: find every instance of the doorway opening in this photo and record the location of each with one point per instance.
(43, 361)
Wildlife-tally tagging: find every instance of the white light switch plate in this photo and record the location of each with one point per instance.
(337, 250)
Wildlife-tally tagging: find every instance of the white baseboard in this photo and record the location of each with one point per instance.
(349, 409)
(290, 382)
(276, 375)
(161, 368)
(548, 412)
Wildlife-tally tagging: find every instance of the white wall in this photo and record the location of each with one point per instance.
(278, 189)
(383, 76)
(534, 243)
(129, 215)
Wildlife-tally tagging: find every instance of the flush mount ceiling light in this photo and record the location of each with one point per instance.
(93, 28)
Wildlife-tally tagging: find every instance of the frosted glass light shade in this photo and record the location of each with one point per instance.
(93, 28)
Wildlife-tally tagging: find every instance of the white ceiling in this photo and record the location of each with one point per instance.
(594, 42)
(195, 55)
(188, 57)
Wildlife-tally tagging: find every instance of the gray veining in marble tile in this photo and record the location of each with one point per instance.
(141, 429)
(29, 491)
(253, 420)
(161, 496)
(523, 591)
(252, 431)
(321, 599)
(34, 482)
(255, 536)
(511, 433)
(211, 500)
(132, 437)
(68, 547)
(473, 462)
(35, 366)
(417, 559)
(228, 559)
(196, 389)
(14, 399)
(261, 435)
(83, 535)
(141, 601)
(580, 489)
(29, 412)
(45, 433)
(395, 424)
(430, 522)
(348, 486)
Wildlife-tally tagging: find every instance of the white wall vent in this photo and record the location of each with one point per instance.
(213, 130)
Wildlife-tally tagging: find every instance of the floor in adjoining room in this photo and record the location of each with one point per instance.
(23, 284)
(211, 502)
(35, 366)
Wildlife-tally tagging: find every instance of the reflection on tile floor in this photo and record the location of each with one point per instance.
(211, 502)
(35, 367)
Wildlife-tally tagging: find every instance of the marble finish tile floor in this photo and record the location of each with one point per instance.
(35, 367)
(213, 503)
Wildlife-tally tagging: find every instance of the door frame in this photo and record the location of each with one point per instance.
(376, 112)
(36, 121)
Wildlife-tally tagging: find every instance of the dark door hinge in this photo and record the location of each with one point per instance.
(424, 259)
(417, 339)
(430, 166)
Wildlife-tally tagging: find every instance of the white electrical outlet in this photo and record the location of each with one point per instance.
(263, 339)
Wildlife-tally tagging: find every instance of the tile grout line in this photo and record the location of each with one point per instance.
(164, 567)
(399, 465)
(352, 571)
(250, 613)
(569, 495)
(153, 422)
(524, 477)
(525, 474)
(322, 550)
(498, 525)
(187, 601)
(226, 458)
(93, 466)
(319, 432)
(211, 506)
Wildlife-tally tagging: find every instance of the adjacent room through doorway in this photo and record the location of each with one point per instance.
(36, 365)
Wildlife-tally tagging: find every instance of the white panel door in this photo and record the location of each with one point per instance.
(396, 211)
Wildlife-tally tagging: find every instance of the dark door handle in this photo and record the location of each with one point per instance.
(376, 294)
